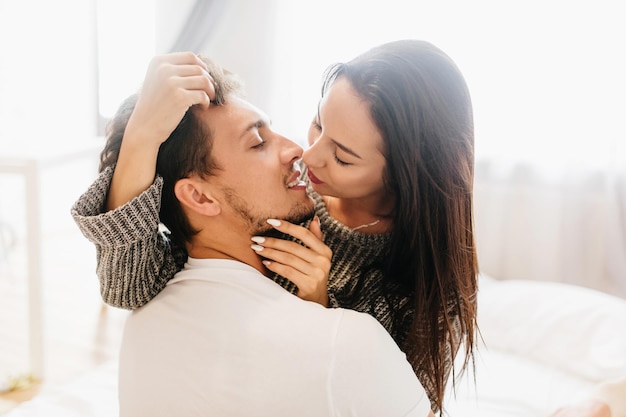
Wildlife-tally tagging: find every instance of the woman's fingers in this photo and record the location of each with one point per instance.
(304, 274)
(186, 81)
(310, 287)
(312, 240)
(312, 237)
(316, 228)
(179, 58)
(173, 83)
(306, 266)
(292, 254)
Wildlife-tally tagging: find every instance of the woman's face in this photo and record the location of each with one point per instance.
(345, 158)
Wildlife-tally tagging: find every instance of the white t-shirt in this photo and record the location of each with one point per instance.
(223, 340)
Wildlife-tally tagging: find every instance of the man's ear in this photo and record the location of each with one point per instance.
(195, 195)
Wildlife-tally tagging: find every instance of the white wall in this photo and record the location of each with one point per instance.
(47, 73)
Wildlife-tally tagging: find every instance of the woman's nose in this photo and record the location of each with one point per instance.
(311, 156)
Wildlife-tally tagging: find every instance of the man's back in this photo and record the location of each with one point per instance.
(245, 347)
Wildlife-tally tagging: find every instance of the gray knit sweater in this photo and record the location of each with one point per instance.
(136, 259)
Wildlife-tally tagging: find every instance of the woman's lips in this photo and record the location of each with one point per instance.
(313, 178)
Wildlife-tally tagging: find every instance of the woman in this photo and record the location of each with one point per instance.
(392, 155)
(390, 169)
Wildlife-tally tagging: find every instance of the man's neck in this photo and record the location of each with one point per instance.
(244, 255)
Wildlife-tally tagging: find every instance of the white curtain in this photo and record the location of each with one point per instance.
(199, 25)
(568, 229)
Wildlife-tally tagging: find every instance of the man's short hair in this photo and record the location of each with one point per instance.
(186, 151)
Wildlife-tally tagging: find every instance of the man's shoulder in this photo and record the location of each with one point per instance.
(369, 364)
(361, 327)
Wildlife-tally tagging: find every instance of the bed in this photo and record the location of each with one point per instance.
(543, 345)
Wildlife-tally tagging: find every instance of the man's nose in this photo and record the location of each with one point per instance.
(291, 151)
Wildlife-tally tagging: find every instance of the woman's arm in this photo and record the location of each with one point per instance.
(134, 259)
(173, 83)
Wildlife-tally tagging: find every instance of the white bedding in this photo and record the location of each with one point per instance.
(545, 345)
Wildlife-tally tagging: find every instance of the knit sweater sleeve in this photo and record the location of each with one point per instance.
(134, 259)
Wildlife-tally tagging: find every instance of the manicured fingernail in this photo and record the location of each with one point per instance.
(258, 239)
(274, 222)
(266, 263)
(256, 248)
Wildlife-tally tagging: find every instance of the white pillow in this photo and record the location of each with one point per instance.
(572, 328)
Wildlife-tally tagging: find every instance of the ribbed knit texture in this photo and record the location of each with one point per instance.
(136, 260)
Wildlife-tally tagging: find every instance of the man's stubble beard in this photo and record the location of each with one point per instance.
(256, 223)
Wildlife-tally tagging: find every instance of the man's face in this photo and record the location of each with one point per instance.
(256, 179)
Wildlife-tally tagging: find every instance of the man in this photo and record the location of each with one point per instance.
(221, 339)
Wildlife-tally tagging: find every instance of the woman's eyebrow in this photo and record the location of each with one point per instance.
(345, 149)
(337, 144)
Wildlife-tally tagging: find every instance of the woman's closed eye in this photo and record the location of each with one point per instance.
(340, 161)
(315, 124)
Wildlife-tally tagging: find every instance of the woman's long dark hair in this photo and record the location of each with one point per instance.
(421, 105)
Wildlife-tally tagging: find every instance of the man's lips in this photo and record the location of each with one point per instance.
(295, 182)
(313, 178)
